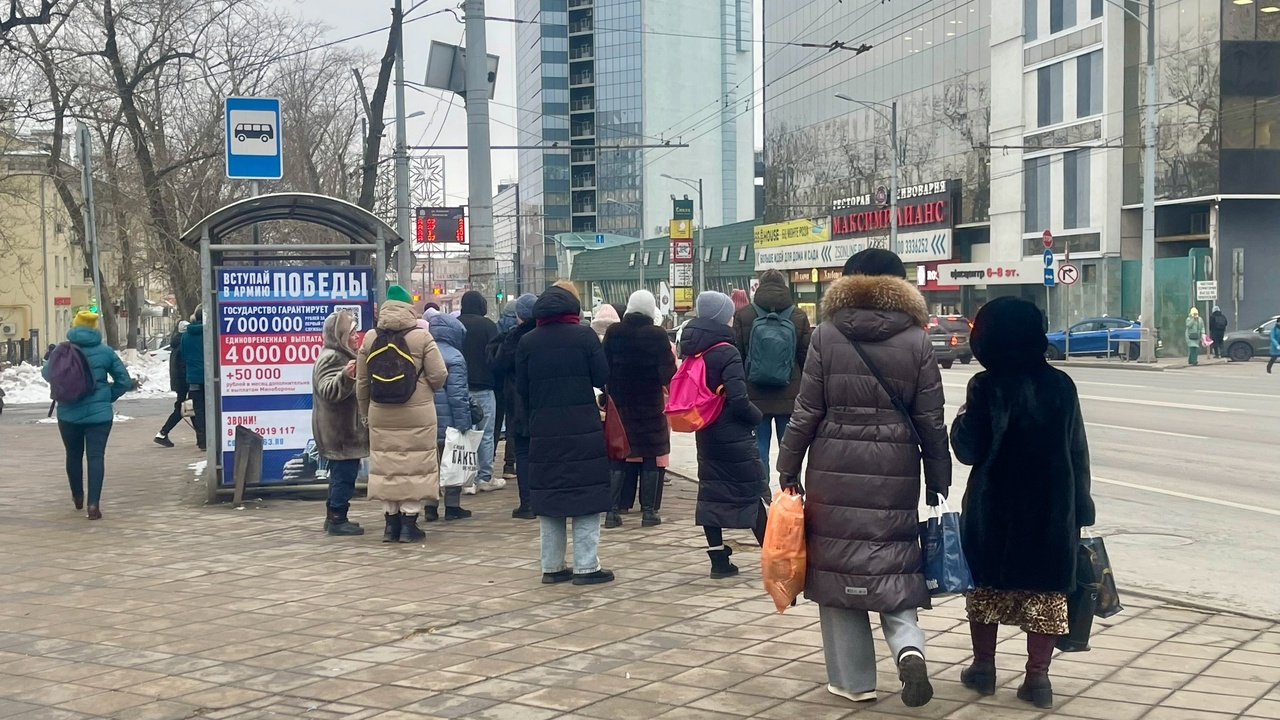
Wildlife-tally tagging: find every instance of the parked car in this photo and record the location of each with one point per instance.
(950, 337)
(1242, 345)
(1099, 337)
(161, 353)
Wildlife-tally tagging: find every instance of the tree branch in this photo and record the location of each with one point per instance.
(17, 19)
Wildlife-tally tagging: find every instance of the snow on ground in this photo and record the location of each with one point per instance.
(22, 384)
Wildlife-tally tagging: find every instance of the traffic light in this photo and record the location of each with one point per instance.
(501, 295)
(93, 305)
(416, 297)
(435, 290)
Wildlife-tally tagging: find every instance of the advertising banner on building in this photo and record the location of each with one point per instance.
(926, 220)
(814, 255)
(792, 232)
(991, 273)
(270, 325)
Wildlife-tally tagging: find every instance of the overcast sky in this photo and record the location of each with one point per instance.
(346, 18)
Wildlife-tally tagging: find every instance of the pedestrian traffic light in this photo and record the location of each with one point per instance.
(435, 290)
(416, 297)
(501, 295)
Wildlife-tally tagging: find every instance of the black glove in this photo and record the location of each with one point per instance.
(934, 497)
(791, 482)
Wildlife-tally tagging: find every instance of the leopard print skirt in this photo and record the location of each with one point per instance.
(1035, 612)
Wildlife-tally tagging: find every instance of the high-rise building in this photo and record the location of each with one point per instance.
(602, 85)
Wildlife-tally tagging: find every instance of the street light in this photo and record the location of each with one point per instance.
(631, 207)
(892, 117)
(702, 222)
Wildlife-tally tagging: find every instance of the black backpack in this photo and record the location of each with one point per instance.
(393, 374)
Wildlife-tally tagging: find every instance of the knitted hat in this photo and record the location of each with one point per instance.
(85, 319)
(566, 285)
(643, 302)
(875, 261)
(395, 292)
(715, 306)
(524, 306)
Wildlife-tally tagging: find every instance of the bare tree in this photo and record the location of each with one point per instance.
(19, 14)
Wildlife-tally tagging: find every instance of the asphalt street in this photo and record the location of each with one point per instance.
(1184, 468)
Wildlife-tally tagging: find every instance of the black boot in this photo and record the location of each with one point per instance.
(409, 531)
(917, 691)
(612, 519)
(430, 513)
(336, 523)
(720, 565)
(453, 505)
(650, 487)
(392, 531)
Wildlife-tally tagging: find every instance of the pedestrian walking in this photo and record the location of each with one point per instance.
(1217, 330)
(398, 370)
(504, 361)
(774, 364)
(453, 405)
(1195, 336)
(480, 332)
(1275, 346)
(640, 369)
(341, 436)
(84, 422)
(730, 477)
(1028, 493)
(557, 365)
(606, 316)
(869, 412)
(177, 383)
(504, 446)
(193, 359)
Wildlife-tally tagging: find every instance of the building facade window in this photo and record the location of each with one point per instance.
(1062, 15)
(1089, 84)
(1029, 19)
(1035, 194)
(1095, 9)
(1049, 95)
(1075, 189)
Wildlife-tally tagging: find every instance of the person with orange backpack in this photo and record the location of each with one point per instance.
(730, 475)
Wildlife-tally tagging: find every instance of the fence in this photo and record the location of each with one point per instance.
(19, 351)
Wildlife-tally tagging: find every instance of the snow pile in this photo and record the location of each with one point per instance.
(22, 384)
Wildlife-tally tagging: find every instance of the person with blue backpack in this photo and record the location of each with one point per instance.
(78, 371)
(772, 335)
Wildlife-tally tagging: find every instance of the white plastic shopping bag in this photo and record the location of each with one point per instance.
(461, 460)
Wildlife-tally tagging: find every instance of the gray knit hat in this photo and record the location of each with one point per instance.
(524, 306)
(716, 306)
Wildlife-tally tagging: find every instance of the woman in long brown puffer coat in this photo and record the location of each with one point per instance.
(863, 478)
(403, 470)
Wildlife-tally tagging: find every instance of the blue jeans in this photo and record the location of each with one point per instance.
(342, 483)
(85, 442)
(489, 403)
(586, 543)
(764, 434)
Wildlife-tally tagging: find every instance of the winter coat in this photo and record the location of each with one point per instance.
(730, 476)
(508, 321)
(640, 366)
(193, 353)
(453, 401)
(480, 332)
(1195, 328)
(1218, 326)
(177, 364)
(502, 357)
(773, 295)
(336, 425)
(402, 438)
(863, 477)
(95, 407)
(1275, 340)
(557, 365)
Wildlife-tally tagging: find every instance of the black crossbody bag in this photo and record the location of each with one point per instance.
(898, 405)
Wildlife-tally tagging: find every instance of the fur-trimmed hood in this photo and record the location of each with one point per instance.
(874, 307)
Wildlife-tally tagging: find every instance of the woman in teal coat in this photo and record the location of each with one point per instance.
(1275, 346)
(85, 424)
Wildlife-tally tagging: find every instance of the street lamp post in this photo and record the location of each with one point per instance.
(702, 223)
(632, 208)
(892, 117)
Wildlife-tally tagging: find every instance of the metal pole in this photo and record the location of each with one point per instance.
(44, 255)
(702, 242)
(404, 252)
(1066, 303)
(255, 190)
(90, 214)
(893, 191)
(479, 163)
(1149, 192)
(214, 439)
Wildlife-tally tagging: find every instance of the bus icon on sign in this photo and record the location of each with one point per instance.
(255, 131)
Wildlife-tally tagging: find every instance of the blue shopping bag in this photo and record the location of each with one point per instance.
(946, 570)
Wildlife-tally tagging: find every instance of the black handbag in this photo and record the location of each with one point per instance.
(1095, 594)
(1108, 601)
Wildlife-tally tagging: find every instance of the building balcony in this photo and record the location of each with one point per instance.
(583, 181)
(578, 79)
(584, 209)
(583, 129)
(582, 157)
(583, 105)
(579, 4)
(585, 52)
(581, 27)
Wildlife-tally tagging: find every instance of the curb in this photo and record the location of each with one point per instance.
(1195, 605)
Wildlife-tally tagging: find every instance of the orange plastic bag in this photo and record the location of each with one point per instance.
(783, 555)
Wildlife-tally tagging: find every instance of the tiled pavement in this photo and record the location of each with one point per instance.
(168, 609)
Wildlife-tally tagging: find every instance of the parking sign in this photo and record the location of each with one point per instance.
(254, 146)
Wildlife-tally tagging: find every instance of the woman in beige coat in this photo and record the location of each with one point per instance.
(403, 470)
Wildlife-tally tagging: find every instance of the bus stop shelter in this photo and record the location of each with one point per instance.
(264, 305)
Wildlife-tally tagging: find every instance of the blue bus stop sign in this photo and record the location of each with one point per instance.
(254, 147)
(599, 238)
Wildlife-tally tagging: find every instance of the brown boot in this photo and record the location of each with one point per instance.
(981, 675)
(1036, 688)
(94, 513)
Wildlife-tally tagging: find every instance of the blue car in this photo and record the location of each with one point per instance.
(1097, 336)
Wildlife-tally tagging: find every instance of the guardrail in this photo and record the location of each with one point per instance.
(1129, 349)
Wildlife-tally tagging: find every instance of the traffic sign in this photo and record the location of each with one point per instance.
(1068, 274)
(1206, 290)
(254, 146)
(1047, 238)
(1048, 258)
(599, 238)
(1049, 280)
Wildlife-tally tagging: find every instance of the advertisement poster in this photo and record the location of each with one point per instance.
(270, 332)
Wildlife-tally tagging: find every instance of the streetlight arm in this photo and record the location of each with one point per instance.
(1126, 10)
(689, 183)
(872, 106)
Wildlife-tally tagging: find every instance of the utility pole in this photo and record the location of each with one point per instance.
(893, 190)
(1148, 307)
(404, 253)
(702, 242)
(479, 165)
(90, 214)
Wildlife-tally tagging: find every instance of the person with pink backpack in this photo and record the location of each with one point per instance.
(709, 397)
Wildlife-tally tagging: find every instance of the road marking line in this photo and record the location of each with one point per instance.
(1087, 382)
(1158, 403)
(1240, 394)
(1188, 496)
(1144, 430)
